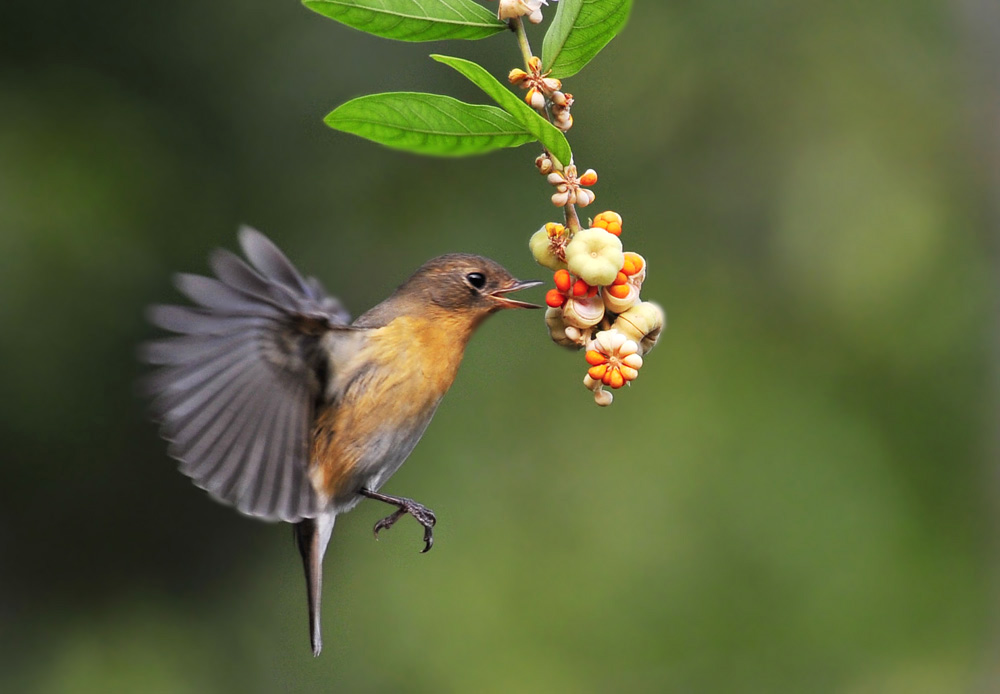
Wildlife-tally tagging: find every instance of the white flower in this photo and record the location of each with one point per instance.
(519, 8)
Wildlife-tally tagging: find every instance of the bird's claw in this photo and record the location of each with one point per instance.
(420, 513)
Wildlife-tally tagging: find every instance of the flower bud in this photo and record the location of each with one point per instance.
(517, 76)
(564, 122)
(560, 199)
(584, 197)
(535, 99)
(595, 256)
(643, 324)
(603, 397)
(588, 178)
(544, 164)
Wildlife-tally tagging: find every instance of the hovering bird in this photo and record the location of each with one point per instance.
(276, 404)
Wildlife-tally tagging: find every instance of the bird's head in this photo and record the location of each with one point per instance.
(464, 284)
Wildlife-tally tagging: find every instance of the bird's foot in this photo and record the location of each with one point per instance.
(420, 513)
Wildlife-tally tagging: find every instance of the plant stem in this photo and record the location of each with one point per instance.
(572, 219)
(522, 40)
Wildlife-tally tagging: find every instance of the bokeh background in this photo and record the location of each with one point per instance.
(799, 494)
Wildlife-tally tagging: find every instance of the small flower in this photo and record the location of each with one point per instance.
(548, 246)
(569, 187)
(519, 8)
(642, 323)
(595, 256)
(614, 359)
(609, 221)
(539, 85)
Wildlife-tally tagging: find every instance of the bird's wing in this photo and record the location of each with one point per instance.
(235, 389)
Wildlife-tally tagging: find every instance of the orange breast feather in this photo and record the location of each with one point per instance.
(389, 390)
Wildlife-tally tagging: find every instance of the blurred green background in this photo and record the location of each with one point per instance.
(799, 494)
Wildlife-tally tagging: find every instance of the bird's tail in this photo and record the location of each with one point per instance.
(312, 535)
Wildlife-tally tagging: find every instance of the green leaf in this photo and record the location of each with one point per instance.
(412, 20)
(429, 124)
(580, 29)
(546, 133)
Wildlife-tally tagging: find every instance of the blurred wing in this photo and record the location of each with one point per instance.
(235, 389)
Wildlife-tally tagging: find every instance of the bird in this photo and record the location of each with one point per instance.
(276, 403)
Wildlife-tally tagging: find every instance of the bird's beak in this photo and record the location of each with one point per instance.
(517, 285)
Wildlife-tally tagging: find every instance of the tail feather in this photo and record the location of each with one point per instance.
(312, 536)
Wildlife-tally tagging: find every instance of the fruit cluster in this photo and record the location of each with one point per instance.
(595, 304)
(596, 301)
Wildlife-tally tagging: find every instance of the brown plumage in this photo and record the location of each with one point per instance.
(276, 405)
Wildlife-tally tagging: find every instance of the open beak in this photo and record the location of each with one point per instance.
(504, 302)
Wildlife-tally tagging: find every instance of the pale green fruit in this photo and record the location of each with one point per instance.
(541, 248)
(642, 323)
(595, 256)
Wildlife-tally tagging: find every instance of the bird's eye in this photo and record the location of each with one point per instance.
(476, 279)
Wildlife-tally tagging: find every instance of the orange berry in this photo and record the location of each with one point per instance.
(620, 278)
(563, 280)
(588, 178)
(592, 291)
(610, 222)
(633, 264)
(595, 358)
(619, 291)
(581, 288)
(554, 298)
(598, 372)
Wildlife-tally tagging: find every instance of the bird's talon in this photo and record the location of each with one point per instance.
(428, 539)
(420, 513)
